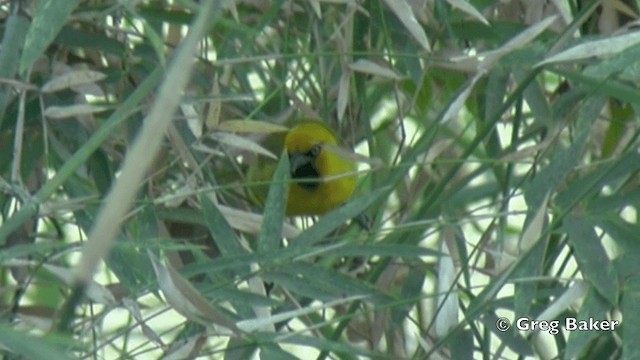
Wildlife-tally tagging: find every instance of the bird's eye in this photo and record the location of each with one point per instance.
(315, 150)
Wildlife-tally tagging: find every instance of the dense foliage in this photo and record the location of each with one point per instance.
(498, 142)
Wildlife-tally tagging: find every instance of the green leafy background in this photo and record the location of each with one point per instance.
(502, 180)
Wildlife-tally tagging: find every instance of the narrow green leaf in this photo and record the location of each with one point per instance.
(335, 283)
(607, 46)
(240, 348)
(271, 351)
(564, 160)
(623, 116)
(623, 233)
(592, 257)
(613, 202)
(29, 346)
(336, 218)
(631, 329)
(271, 230)
(130, 263)
(220, 230)
(592, 183)
(606, 87)
(15, 31)
(299, 285)
(382, 250)
(71, 37)
(49, 18)
(31, 250)
(526, 292)
(462, 345)
(594, 307)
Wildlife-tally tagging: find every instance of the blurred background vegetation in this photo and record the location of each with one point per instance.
(507, 132)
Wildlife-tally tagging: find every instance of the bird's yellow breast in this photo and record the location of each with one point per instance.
(332, 179)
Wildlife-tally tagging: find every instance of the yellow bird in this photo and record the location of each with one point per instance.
(323, 177)
(330, 177)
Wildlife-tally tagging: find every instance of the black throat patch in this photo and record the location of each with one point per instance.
(306, 171)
